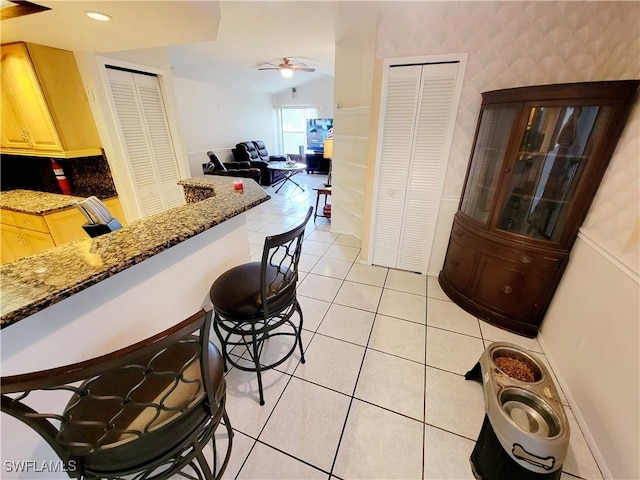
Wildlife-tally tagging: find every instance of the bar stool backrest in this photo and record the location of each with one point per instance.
(279, 273)
(148, 407)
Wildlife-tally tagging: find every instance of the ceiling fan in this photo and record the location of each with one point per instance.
(286, 68)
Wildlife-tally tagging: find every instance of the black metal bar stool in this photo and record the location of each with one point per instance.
(145, 411)
(257, 301)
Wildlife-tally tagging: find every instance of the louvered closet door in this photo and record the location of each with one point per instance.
(418, 119)
(399, 125)
(145, 130)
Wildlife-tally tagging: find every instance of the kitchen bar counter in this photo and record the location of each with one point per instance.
(34, 283)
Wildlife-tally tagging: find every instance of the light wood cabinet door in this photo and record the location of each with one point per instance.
(9, 244)
(20, 242)
(39, 241)
(45, 111)
(13, 129)
(66, 226)
(27, 110)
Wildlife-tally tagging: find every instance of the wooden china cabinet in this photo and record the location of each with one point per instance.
(538, 157)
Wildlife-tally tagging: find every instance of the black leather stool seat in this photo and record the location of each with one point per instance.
(237, 292)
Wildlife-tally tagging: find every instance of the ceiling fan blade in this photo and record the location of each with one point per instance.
(302, 69)
(269, 68)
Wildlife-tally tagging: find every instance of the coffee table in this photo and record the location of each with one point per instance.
(288, 170)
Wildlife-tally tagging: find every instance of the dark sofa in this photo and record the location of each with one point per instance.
(257, 155)
(230, 169)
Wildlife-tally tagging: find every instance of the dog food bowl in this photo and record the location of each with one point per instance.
(526, 433)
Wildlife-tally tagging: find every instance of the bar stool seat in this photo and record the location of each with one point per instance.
(244, 281)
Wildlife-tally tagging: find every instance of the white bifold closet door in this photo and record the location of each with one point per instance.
(416, 136)
(151, 156)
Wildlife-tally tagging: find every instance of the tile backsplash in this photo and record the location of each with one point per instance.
(87, 175)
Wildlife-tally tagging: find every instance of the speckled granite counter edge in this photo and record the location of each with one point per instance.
(73, 267)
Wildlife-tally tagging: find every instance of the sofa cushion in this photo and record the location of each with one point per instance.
(246, 151)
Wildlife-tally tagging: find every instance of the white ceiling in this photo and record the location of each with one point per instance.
(219, 42)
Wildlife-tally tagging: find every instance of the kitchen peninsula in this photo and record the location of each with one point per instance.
(93, 284)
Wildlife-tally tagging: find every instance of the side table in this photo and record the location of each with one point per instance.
(326, 191)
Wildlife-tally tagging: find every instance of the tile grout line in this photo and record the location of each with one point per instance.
(355, 386)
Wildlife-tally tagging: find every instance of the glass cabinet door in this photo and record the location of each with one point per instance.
(555, 148)
(488, 156)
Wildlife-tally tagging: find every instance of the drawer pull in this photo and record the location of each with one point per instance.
(525, 259)
(506, 289)
(458, 231)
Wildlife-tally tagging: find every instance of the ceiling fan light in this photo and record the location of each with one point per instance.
(286, 72)
(102, 17)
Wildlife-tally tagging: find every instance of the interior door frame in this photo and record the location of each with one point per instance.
(388, 63)
(93, 68)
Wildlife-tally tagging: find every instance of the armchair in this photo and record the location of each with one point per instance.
(257, 155)
(230, 169)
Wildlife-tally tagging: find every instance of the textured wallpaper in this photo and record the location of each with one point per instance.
(512, 44)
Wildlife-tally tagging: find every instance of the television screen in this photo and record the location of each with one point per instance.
(318, 129)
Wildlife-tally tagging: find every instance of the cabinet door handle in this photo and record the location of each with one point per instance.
(506, 289)
(459, 232)
(26, 138)
(525, 259)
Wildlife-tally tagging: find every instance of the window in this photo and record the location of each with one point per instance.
(292, 123)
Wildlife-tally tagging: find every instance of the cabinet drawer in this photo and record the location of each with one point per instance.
(527, 257)
(32, 222)
(512, 289)
(500, 247)
(7, 218)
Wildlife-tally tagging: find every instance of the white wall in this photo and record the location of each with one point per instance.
(591, 332)
(318, 94)
(527, 43)
(212, 117)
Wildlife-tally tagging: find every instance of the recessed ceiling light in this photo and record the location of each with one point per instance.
(98, 16)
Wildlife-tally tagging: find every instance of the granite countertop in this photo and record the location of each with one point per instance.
(36, 282)
(36, 203)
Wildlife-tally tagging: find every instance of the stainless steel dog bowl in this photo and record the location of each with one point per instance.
(527, 417)
(501, 350)
(530, 412)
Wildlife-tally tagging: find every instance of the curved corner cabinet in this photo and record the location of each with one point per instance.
(538, 157)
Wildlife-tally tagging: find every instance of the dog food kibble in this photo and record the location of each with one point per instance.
(515, 368)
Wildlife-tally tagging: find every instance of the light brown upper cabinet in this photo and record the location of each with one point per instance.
(45, 111)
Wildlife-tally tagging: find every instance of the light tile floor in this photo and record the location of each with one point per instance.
(382, 394)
